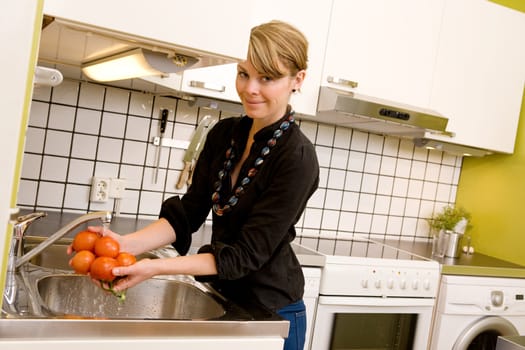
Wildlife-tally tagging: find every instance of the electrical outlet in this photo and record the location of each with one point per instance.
(100, 189)
(117, 187)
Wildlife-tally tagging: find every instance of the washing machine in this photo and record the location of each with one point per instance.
(471, 312)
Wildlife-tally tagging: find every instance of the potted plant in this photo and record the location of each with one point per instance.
(449, 218)
(447, 227)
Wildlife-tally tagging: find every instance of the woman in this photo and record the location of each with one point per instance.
(256, 174)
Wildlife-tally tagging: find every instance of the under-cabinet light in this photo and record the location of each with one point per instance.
(135, 63)
(455, 149)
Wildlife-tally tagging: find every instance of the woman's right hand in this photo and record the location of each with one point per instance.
(102, 231)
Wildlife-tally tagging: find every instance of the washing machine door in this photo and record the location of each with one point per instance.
(493, 326)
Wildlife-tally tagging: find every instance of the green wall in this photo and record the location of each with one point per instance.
(492, 188)
(515, 4)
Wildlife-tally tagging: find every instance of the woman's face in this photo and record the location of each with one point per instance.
(262, 97)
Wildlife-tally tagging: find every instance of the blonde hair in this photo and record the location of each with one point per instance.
(276, 44)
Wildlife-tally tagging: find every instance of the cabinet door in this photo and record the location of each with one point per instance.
(216, 82)
(20, 24)
(312, 18)
(217, 27)
(480, 73)
(309, 17)
(387, 47)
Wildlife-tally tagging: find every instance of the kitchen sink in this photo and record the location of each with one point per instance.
(55, 256)
(71, 295)
(61, 293)
(44, 297)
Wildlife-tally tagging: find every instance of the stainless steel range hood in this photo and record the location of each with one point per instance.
(377, 116)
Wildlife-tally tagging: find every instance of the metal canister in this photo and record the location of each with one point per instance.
(452, 249)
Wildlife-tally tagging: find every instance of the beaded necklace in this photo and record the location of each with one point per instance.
(228, 165)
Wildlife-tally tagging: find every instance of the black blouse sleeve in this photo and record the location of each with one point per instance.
(171, 210)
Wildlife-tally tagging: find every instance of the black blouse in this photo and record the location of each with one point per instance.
(251, 243)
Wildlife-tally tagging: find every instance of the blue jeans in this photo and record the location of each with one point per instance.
(296, 314)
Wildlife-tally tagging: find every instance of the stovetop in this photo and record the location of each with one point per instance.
(362, 247)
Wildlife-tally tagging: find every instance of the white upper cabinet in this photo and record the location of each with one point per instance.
(463, 59)
(480, 73)
(384, 48)
(215, 82)
(310, 17)
(218, 81)
(218, 27)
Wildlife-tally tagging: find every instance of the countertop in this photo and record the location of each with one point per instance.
(466, 264)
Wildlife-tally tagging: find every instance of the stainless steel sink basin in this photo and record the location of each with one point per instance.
(60, 293)
(76, 295)
(55, 256)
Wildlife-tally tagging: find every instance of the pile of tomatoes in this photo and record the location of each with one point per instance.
(98, 255)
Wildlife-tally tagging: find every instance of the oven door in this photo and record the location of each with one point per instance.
(372, 323)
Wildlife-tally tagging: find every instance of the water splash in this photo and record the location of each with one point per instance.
(105, 227)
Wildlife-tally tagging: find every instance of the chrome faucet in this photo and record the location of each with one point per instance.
(20, 225)
(17, 257)
(104, 216)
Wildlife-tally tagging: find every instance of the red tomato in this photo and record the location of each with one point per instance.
(107, 246)
(84, 240)
(82, 261)
(126, 259)
(101, 268)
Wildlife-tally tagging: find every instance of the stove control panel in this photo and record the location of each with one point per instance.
(380, 277)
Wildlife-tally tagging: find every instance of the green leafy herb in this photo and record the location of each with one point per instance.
(448, 218)
(108, 286)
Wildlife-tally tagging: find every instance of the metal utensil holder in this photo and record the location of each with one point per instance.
(453, 239)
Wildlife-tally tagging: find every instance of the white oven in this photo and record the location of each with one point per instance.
(385, 302)
(372, 323)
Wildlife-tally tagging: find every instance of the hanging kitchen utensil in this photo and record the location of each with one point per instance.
(163, 121)
(198, 149)
(195, 146)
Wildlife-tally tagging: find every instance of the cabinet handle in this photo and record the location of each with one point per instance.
(207, 86)
(340, 81)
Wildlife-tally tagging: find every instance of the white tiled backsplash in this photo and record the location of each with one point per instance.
(370, 184)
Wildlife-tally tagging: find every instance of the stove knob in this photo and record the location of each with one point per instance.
(377, 284)
(426, 284)
(403, 284)
(415, 284)
(390, 283)
(364, 283)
